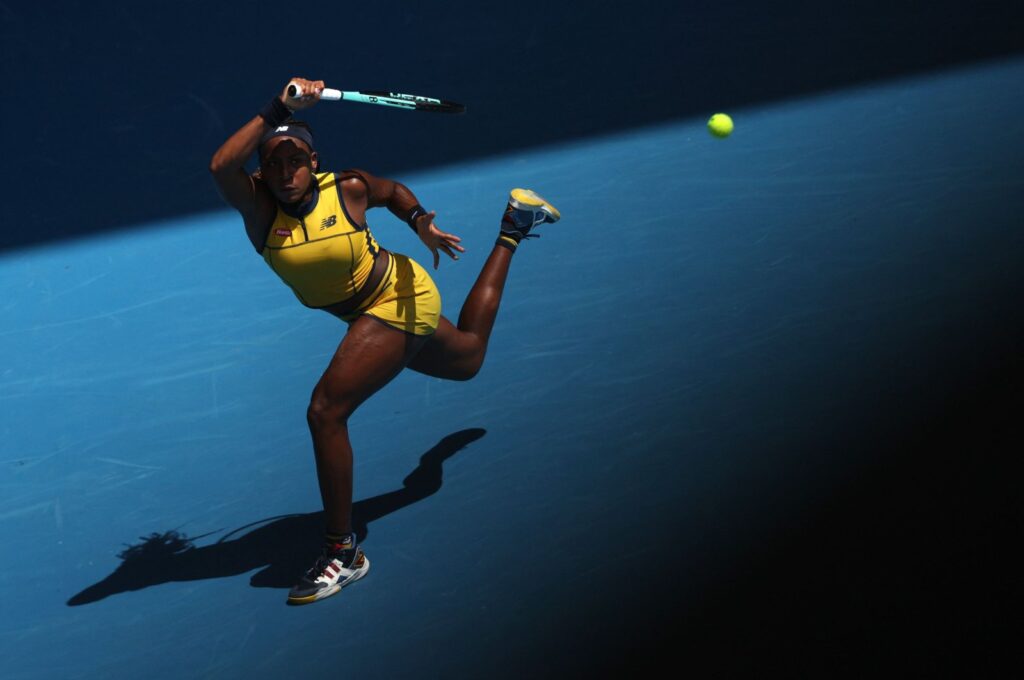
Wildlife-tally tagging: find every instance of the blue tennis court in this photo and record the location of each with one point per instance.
(715, 339)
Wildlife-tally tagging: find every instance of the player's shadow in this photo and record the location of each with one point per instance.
(284, 546)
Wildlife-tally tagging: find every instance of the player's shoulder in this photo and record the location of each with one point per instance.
(354, 175)
(354, 182)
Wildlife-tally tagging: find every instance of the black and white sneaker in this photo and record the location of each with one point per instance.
(337, 567)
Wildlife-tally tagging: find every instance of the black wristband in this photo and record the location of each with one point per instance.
(275, 112)
(417, 211)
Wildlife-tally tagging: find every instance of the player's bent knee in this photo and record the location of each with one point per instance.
(325, 412)
(467, 370)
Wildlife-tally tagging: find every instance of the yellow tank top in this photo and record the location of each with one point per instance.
(318, 250)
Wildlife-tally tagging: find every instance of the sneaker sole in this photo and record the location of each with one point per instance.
(525, 198)
(332, 590)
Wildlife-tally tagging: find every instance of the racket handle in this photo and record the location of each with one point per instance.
(295, 92)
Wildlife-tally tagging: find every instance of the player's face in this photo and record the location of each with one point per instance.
(287, 166)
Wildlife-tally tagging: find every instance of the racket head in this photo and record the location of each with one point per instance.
(420, 103)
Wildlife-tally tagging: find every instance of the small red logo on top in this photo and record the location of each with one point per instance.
(283, 232)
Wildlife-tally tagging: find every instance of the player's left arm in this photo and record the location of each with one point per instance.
(368, 191)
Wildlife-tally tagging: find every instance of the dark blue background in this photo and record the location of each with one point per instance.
(123, 105)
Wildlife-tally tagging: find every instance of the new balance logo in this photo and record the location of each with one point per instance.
(328, 222)
(283, 128)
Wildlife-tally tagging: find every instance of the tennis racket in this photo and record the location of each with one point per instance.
(411, 102)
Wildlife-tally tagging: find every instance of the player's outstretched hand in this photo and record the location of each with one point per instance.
(435, 239)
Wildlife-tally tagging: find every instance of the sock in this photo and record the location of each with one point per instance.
(508, 241)
(336, 542)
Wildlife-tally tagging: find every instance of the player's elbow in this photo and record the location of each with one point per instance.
(224, 162)
(218, 166)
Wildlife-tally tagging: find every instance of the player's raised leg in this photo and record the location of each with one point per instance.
(457, 352)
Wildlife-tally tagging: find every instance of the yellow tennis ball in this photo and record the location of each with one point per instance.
(720, 125)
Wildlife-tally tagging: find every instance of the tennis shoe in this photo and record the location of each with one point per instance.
(334, 570)
(525, 211)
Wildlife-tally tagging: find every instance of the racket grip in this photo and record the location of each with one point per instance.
(295, 92)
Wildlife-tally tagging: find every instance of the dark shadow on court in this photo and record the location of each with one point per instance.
(904, 565)
(284, 546)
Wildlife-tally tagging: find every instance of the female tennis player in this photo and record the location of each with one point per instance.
(310, 227)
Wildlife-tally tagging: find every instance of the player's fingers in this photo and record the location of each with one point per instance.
(453, 243)
(454, 246)
(304, 97)
(308, 90)
(437, 258)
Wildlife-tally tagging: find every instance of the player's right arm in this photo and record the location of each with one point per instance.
(245, 193)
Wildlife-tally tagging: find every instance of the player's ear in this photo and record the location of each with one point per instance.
(315, 160)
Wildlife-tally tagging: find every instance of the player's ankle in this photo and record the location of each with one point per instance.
(508, 241)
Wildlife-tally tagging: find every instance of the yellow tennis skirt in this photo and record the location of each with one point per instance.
(406, 298)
